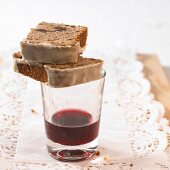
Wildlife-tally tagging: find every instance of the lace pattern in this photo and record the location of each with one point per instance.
(144, 115)
(148, 130)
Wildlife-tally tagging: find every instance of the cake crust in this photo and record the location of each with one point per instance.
(54, 43)
(56, 75)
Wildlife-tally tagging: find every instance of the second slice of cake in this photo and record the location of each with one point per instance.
(60, 75)
(54, 43)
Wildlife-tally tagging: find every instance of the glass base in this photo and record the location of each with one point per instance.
(71, 153)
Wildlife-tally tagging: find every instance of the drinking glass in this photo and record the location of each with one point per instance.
(72, 119)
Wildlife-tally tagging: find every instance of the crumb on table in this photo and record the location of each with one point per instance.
(97, 153)
(106, 158)
(33, 111)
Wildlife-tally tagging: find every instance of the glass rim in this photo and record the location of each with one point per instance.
(103, 74)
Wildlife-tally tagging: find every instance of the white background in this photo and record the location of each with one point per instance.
(142, 25)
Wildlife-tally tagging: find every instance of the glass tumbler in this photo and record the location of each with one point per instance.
(72, 119)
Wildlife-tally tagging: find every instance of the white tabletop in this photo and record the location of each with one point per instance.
(141, 25)
(133, 134)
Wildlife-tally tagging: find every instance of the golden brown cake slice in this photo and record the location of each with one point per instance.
(54, 43)
(60, 75)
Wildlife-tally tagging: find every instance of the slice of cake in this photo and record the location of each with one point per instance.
(60, 75)
(54, 43)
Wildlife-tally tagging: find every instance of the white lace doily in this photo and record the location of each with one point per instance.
(147, 129)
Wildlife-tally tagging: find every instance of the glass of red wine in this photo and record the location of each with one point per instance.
(72, 119)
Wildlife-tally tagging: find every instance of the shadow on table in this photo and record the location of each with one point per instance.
(167, 72)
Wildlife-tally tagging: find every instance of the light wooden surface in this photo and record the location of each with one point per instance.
(159, 82)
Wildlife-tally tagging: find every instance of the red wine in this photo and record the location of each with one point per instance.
(72, 127)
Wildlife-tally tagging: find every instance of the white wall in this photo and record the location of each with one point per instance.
(143, 25)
